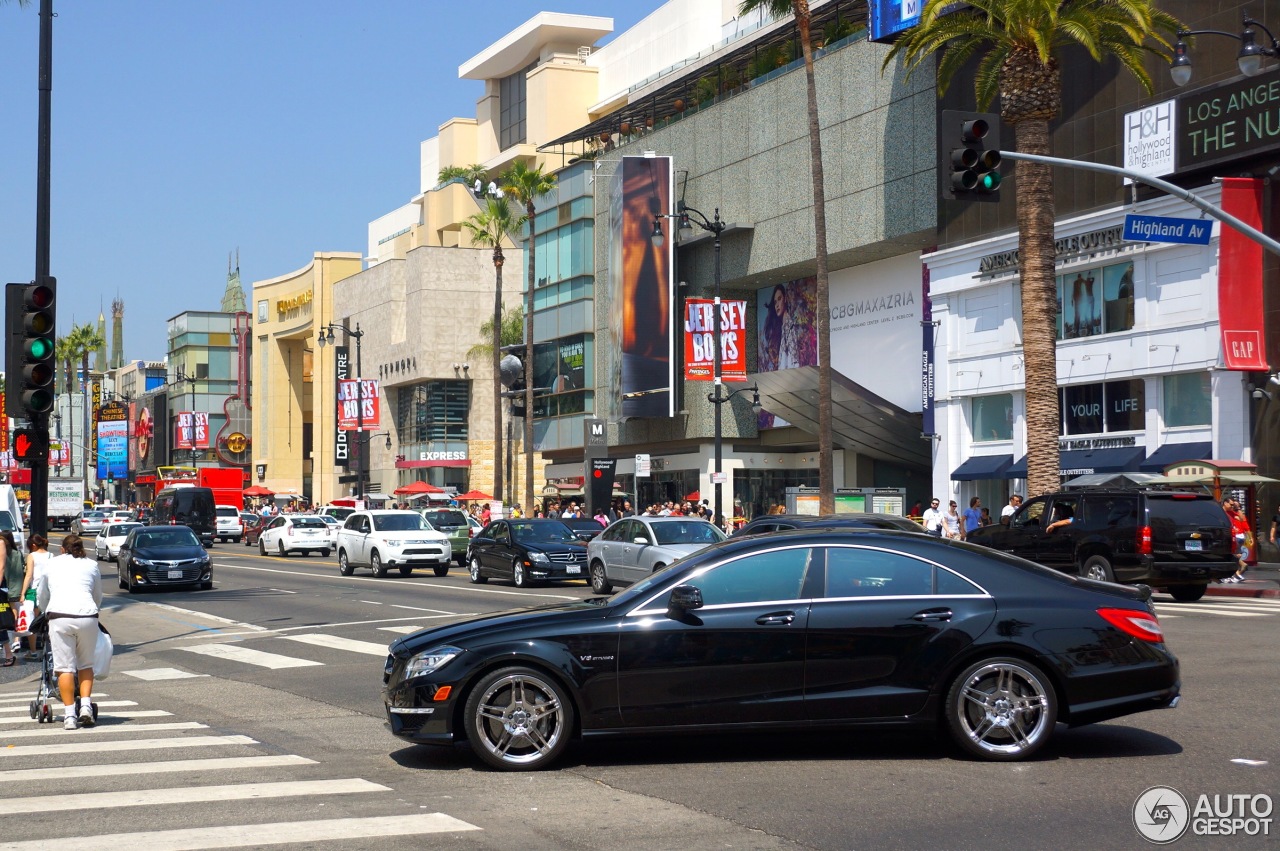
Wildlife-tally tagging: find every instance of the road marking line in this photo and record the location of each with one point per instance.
(213, 618)
(403, 629)
(370, 602)
(418, 609)
(277, 833)
(282, 630)
(66, 746)
(337, 643)
(274, 661)
(102, 704)
(126, 713)
(109, 729)
(227, 763)
(385, 581)
(153, 674)
(1204, 610)
(62, 802)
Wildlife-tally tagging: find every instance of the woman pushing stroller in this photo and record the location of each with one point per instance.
(69, 591)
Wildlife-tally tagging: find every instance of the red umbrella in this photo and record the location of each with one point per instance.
(257, 490)
(474, 495)
(418, 487)
(693, 497)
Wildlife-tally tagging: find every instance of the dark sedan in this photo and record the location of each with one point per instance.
(768, 523)
(584, 527)
(803, 629)
(526, 551)
(163, 556)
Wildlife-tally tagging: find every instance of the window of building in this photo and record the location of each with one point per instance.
(262, 311)
(564, 366)
(1102, 408)
(511, 108)
(1095, 301)
(992, 417)
(432, 416)
(1188, 400)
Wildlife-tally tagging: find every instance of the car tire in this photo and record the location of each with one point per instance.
(518, 719)
(120, 577)
(441, 570)
(518, 576)
(344, 566)
(280, 547)
(375, 562)
(1001, 709)
(477, 578)
(262, 548)
(1187, 593)
(1097, 567)
(599, 579)
(206, 586)
(657, 567)
(324, 554)
(129, 586)
(406, 570)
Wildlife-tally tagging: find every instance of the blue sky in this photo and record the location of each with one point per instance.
(183, 130)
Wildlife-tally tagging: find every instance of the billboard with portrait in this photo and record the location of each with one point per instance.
(786, 332)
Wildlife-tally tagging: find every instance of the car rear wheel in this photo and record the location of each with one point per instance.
(1001, 709)
(599, 579)
(474, 571)
(518, 719)
(1097, 567)
(344, 566)
(375, 563)
(1187, 593)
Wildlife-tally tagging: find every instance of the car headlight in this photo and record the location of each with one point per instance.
(144, 562)
(430, 661)
(539, 558)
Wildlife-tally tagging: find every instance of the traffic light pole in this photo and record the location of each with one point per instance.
(40, 421)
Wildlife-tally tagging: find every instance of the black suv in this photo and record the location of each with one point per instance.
(1177, 541)
(767, 524)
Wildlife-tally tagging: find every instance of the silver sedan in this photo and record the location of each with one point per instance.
(89, 523)
(634, 547)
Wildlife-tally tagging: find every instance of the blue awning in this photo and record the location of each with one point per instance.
(1172, 453)
(982, 467)
(1084, 462)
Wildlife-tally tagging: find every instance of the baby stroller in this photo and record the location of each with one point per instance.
(41, 709)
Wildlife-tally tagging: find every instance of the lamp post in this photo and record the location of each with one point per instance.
(322, 340)
(1249, 58)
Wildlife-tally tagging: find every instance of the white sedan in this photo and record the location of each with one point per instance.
(107, 544)
(293, 533)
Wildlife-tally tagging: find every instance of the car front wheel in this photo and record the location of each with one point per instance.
(518, 719)
(518, 575)
(344, 566)
(599, 579)
(375, 564)
(1001, 709)
(474, 570)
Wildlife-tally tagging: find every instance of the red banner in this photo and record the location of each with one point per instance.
(200, 423)
(350, 413)
(1240, 279)
(4, 432)
(184, 437)
(699, 339)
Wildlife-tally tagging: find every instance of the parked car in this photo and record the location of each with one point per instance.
(89, 523)
(163, 556)
(634, 547)
(253, 527)
(584, 527)
(452, 523)
(768, 523)
(1176, 541)
(106, 546)
(832, 628)
(294, 533)
(384, 538)
(229, 526)
(526, 551)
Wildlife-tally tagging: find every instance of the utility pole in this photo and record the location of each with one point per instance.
(40, 421)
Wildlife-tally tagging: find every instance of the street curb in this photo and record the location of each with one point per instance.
(1243, 590)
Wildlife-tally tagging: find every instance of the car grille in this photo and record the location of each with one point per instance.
(568, 558)
(425, 551)
(191, 570)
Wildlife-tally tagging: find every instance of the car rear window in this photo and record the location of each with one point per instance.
(1182, 511)
(309, 523)
(228, 512)
(446, 519)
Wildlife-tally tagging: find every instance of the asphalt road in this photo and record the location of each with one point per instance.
(298, 753)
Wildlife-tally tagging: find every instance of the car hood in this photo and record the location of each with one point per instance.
(552, 547)
(477, 630)
(411, 535)
(169, 553)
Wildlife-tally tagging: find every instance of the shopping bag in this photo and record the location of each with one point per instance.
(102, 654)
(25, 614)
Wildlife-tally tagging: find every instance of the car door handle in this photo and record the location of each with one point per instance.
(778, 619)
(932, 615)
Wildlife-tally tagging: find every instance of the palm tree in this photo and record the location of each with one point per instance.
(64, 356)
(826, 476)
(526, 185)
(1019, 42)
(511, 333)
(490, 228)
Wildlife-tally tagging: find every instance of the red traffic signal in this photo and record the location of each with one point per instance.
(27, 446)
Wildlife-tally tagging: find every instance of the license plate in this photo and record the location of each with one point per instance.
(573, 568)
(1195, 545)
(175, 574)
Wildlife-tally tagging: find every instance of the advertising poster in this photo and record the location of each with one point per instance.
(200, 425)
(353, 413)
(183, 436)
(1081, 295)
(699, 339)
(113, 449)
(786, 332)
(642, 283)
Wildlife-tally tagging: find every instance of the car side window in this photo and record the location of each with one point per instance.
(1117, 510)
(862, 572)
(1032, 513)
(758, 578)
(639, 530)
(953, 585)
(617, 532)
(501, 534)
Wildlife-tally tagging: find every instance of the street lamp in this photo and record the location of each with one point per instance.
(1249, 58)
(323, 340)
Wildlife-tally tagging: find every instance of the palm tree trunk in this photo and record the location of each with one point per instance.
(497, 374)
(1039, 307)
(826, 473)
(528, 372)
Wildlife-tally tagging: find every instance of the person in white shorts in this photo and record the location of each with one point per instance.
(69, 591)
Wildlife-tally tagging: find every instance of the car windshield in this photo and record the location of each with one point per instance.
(308, 523)
(6, 522)
(174, 536)
(399, 522)
(687, 532)
(550, 532)
(329, 521)
(121, 529)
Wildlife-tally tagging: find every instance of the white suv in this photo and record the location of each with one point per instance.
(230, 526)
(382, 539)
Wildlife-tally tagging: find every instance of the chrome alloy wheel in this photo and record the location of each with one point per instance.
(519, 719)
(1002, 709)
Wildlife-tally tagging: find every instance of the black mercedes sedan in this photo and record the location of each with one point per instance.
(162, 556)
(526, 551)
(799, 629)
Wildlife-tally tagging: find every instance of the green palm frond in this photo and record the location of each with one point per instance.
(493, 225)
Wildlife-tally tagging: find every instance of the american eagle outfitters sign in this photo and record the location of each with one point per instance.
(1094, 240)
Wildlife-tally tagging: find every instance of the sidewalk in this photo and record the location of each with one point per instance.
(1260, 581)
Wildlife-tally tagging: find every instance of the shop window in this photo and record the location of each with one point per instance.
(1126, 405)
(1102, 408)
(1095, 301)
(1187, 400)
(992, 417)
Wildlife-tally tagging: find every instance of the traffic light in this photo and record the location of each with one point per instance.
(38, 347)
(28, 447)
(517, 399)
(971, 170)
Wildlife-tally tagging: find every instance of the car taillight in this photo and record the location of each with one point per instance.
(290, 530)
(1132, 622)
(1144, 541)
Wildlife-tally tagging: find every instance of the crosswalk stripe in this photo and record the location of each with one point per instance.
(102, 704)
(25, 718)
(153, 674)
(1205, 610)
(403, 629)
(62, 802)
(67, 746)
(335, 642)
(232, 653)
(228, 763)
(277, 833)
(56, 729)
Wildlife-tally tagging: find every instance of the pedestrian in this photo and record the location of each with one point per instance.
(12, 580)
(70, 591)
(477, 187)
(972, 515)
(38, 547)
(986, 516)
(601, 517)
(915, 509)
(952, 524)
(1242, 534)
(1006, 513)
(932, 519)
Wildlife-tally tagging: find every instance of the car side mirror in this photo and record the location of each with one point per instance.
(640, 539)
(685, 598)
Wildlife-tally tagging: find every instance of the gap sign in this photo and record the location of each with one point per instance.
(1164, 229)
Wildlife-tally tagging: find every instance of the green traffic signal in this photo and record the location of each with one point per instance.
(38, 348)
